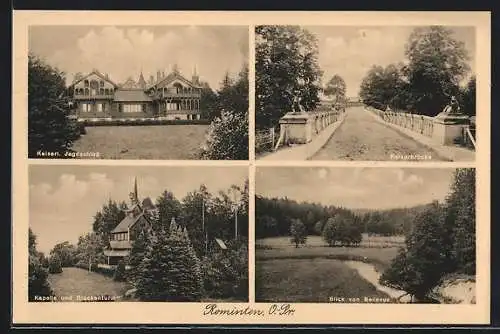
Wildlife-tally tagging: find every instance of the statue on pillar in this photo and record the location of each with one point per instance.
(452, 108)
(296, 105)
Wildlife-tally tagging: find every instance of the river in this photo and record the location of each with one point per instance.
(368, 272)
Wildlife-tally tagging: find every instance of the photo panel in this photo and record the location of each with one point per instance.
(365, 235)
(137, 234)
(155, 92)
(365, 93)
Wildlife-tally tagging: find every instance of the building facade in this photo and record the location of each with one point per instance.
(170, 97)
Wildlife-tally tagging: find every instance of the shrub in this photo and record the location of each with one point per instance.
(55, 265)
(119, 274)
(38, 284)
(227, 138)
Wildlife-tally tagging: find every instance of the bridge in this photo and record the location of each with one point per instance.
(367, 134)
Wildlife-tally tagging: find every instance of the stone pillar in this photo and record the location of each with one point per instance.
(296, 128)
(449, 127)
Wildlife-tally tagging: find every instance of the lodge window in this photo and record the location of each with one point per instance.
(101, 83)
(100, 107)
(131, 108)
(87, 92)
(86, 107)
(106, 91)
(86, 83)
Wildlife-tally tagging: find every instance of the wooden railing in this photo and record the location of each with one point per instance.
(265, 140)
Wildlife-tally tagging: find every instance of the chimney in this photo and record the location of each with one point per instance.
(158, 76)
(151, 79)
(163, 74)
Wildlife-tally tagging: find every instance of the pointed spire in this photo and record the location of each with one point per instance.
(136, 195)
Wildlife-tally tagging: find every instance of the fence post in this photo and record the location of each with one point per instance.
(272, 137)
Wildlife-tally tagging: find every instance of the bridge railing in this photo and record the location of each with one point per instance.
(417, 123)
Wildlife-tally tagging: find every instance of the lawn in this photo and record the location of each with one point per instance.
(310, 280)
(375, 251)
(177, 142)
(73, 282)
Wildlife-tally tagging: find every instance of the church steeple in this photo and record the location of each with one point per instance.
(141, 82)
(196, 78)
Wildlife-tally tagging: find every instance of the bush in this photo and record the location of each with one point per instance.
(225, 274)
(119, 274)
(55, 265)
(298, 233)
(38, 284)
(227, 138)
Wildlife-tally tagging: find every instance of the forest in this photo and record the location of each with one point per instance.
(274, 217)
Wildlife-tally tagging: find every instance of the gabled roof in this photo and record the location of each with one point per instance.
(131, 95)
(174, 76)
(127, 223)
(99, 74)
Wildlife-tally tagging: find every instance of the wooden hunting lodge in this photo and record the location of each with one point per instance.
(170, 97)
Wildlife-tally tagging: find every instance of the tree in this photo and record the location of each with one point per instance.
(105, 220)
(168, 207)
(38, 284)
(461, 220)
(49, 127)
(193, 205)
(286, 65)
(137, 254)
(66, 252)
(298, 233)
(227, 137)
(468, 97)
(119, 274)
(55, 264)
(437, 62)
(419, 268)
(318, 227)
(336, 88)
(331, 233)
(209, 107)
(170, 271)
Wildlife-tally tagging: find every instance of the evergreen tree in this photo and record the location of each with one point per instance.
(49, 126)
(298, 233)
(137, 254)
(461, 220)
(168, 207)
(170, 271)
(119, 274)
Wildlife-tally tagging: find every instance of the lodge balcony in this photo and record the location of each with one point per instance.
(94, 97)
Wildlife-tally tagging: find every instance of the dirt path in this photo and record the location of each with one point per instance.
(361, 137)
(368, 272)
(74, 282)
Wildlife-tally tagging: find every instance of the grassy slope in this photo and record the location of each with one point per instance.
(76, 281)
(143, 142)
(316, 280)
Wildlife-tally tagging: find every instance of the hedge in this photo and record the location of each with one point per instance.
(139, 122)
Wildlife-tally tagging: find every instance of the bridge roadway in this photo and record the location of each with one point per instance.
(362, 138)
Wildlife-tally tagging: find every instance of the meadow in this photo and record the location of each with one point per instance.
(177, 142)
(314, 272)
(73, 282)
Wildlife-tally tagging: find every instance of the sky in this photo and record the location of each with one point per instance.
(64, 199)
(351, 51)
(122, 51)
(356, 187)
